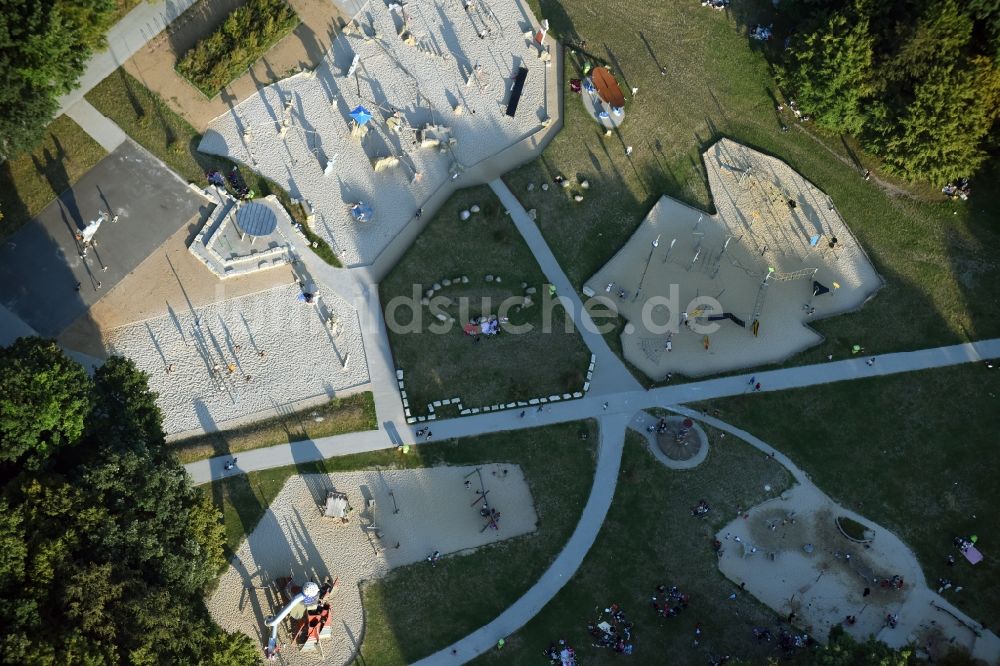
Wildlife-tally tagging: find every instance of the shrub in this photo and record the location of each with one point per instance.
(244, 36)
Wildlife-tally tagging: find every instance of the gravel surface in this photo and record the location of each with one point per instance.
(293, 538)
(725, 257)
(425, 81)
(303, 359)
(826, 585)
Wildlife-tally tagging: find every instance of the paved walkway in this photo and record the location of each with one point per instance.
(13, 327)
(101, 128)
(626, 402)
(130, 34)
(566, 563)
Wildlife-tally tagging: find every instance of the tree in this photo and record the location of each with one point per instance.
(916, 80)
(44, 398)
(44, 47)
(107, 549)
(940, 135)
(830, 71)
(125, 414)
(231, 649)
(842, 650)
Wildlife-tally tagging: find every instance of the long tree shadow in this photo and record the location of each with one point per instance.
(52, 167)
(14, 211)
(235, 488)
(652, 53)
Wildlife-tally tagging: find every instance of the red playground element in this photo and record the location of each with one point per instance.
(313, 623)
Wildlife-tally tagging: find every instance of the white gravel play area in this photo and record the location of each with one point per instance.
(212, 350)
(758, 258)
(436, 513)
(434, 62)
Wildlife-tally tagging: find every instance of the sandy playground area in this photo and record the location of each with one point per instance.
(436, 513)
(288, 350)
(435, 78)
(790, 554)
(775, 256)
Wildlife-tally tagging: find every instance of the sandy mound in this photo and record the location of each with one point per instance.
(790, 554)
(303, 360)
(292, 538)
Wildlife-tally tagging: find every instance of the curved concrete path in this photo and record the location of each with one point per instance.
(566, 563)
(922, 604)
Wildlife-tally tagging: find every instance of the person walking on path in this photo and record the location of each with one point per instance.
(605, 406)
(756, 387)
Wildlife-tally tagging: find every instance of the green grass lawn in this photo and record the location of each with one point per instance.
(914, 452)
(649, 538)
(30, 182)
(152, 124)
(938, 258)
(338, 416)
(416, 609)
(502, 368)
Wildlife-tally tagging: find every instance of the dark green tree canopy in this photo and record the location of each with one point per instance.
(44, 399)
(44, 46)
(917, 81)
(106, 549)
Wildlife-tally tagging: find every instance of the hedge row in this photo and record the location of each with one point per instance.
(245, 35)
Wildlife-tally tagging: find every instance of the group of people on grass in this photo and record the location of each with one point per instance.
(560, 654)
(236, 182)
(958, 190)
(483, 324)
(668, 602)
(613, 631)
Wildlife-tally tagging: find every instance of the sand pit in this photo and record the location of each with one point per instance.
(423, 71)
(304, 360)
(758, 259)
(435, 514)
(791, 555)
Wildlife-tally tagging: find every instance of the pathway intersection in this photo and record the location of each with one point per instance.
(615, 396)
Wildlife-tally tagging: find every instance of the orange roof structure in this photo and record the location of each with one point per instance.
(607, 87)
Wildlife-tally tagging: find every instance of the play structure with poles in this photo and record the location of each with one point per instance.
(309, 612)
(486, 510)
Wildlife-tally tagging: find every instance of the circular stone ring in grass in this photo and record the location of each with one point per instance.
(682, 445)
